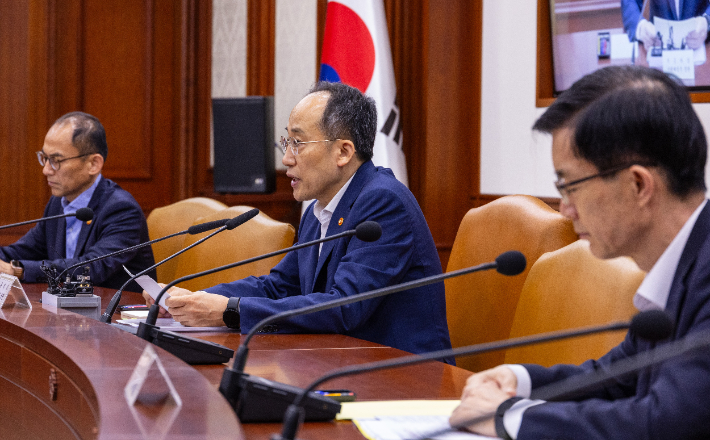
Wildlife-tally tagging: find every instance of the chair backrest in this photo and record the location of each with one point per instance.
(480, 307)
(258, 236)
(571, 288)
(175, 218)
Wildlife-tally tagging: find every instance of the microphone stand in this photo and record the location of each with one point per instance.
(246, 394)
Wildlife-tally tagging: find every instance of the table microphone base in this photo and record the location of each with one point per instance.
(191, 350)
(263, 400)
(85, 305)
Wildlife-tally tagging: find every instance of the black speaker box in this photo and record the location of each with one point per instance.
(243, 130)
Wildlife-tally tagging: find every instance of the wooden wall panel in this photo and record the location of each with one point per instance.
(143, 67)
(132, 64)
(23, 93)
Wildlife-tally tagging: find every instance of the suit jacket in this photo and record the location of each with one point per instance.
(412, 320)
(662, 402)
(631, 12)
(118, 223)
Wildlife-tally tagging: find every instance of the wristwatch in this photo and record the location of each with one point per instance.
(231, 314)
(18, 268)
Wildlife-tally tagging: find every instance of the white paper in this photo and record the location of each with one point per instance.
(151, 286)
(679, 30)
(409, 427)
(173, 326)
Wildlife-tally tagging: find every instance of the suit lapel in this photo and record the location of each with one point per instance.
(362, 176)
(697, 238)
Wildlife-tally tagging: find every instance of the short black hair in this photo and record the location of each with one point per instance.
(632, 114)
(349, 114)
(89, 136)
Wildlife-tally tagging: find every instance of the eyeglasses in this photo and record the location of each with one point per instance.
(294, 144)
(566, 188)
(53, 161)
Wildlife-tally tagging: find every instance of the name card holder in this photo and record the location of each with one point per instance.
(11, 288)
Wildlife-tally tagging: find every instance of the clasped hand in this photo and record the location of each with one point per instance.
(484, 392)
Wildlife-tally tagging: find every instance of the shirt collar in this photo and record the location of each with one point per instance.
(656, 286)
(323, 213)
(82, 201)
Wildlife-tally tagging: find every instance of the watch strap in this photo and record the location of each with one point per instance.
(231, 315)
(500, 412)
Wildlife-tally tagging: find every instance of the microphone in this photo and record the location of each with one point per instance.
(259, 400)
(227, 224)
(649, 325)
(366, 231)
(192, 230)
(83, 214)
(190, 350)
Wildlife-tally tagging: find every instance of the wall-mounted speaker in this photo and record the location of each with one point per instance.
(243, 130)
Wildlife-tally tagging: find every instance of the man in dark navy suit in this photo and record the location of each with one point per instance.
(629, 153)
(638, 28)
(331, 134)
(72, 158)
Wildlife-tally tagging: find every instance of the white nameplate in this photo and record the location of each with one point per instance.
(680, 63)
(10, 287)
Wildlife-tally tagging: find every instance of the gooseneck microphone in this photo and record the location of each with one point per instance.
(82, 214)
(224, 224)
(365, 231)
(650, 325)
(192, 230)
(191, 350)
(243, 391)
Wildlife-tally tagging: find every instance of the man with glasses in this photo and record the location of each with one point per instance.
(629, 153)
(72, 157)
(328, 151)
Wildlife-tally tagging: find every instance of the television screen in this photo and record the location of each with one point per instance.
(590, 34)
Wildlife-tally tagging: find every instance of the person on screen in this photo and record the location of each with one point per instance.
(629, 153)
(72, 158)
(328, 152)
(640, 29)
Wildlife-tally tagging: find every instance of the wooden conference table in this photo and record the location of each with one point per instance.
(89, 364)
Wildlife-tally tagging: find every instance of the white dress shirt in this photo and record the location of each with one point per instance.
(324, 213)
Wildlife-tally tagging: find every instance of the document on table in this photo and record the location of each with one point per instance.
(403, 419)
(172, 325)
(411, 427)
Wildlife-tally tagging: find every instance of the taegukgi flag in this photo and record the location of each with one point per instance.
(356, 51)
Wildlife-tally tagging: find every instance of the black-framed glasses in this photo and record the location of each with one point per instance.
(54, 162)
(566, 188)
(294, 144)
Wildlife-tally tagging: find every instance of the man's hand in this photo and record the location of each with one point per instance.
(149, 302)
(484, 392)
(646, 33)
(6, 268)
(697, 38)
(196, 309)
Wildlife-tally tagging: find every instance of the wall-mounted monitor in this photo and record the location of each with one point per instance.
(590, 34)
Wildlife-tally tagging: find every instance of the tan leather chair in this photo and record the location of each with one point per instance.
(571, 288)
(175, 218)
(480, 307)
(258, 236)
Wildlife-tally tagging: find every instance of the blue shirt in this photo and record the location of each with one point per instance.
(74, 225)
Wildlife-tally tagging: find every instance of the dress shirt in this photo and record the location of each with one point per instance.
(651, 294)
(324, 213)
(73, 224)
